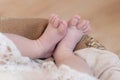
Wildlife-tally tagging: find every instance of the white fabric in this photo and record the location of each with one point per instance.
(13, 66)
(105, 64)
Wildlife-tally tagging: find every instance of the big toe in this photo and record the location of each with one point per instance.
(74, 20)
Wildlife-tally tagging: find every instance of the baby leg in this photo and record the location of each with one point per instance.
(64, 52)
(42, 47)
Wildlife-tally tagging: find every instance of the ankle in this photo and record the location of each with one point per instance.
(61, 58)
(39, 45)
(64, 49)
(42, 43)
(62, 53)
(67, 44)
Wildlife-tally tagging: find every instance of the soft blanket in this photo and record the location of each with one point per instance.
(13, 66)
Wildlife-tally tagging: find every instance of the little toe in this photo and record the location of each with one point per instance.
(52, 18)
(56, 22)
(87, 30)
(62, 27)
(85, 25)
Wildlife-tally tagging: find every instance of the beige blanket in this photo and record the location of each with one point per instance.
(105, 64)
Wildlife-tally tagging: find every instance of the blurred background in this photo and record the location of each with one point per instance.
(104, 15)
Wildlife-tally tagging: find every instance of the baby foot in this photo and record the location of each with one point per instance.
(54, 32)
(76, 29)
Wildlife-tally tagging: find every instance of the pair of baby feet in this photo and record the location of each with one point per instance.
(63, 34)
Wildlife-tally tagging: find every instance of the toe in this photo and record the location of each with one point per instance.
(85, 26)
(63, 27)
(81, 24)
(77, 17)
(52, 19)
(74, 21)
(56, 22)
(88, 29)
